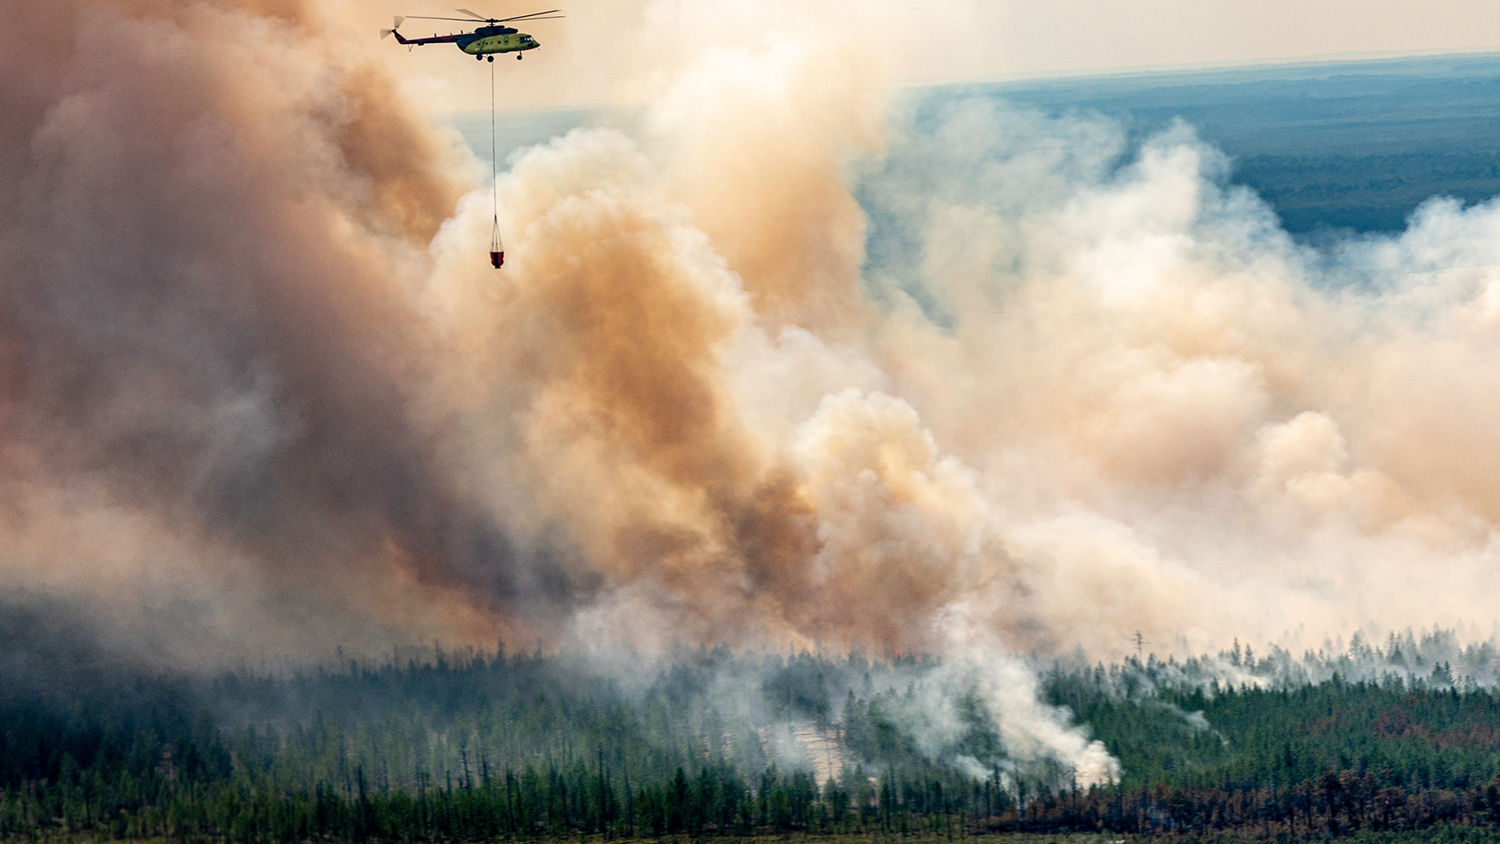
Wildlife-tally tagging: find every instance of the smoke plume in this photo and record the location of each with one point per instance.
(259, 399)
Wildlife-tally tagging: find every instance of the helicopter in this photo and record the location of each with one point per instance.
(485, 41)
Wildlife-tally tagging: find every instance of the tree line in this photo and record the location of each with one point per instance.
(484, 746)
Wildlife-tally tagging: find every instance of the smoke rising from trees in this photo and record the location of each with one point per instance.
(258, 398)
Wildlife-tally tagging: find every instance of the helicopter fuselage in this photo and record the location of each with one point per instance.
(495, 39)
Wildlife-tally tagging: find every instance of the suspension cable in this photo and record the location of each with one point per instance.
(497, 252)
(494, 162)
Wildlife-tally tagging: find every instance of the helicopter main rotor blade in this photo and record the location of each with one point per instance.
(431, 18)
(474, 15)
(550, 14)
(532, 16)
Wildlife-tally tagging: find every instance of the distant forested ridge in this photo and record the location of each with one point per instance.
(1354, 145)
(482, 746)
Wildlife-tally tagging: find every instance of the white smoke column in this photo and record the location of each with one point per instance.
(976, 661)
(913, 553)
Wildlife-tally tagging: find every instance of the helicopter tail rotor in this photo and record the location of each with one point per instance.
(394, 26)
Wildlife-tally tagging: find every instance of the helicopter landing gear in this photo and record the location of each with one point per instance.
(519, 57)
(491, 58)
(479, 58)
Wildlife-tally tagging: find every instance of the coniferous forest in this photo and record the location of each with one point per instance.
(483, 746)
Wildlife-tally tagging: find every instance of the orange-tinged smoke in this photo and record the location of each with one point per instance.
(261, 395)
(204, 333)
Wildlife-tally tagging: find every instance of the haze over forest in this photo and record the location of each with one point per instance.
(784, 360)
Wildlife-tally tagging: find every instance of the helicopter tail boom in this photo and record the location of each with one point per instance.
(417, 42)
